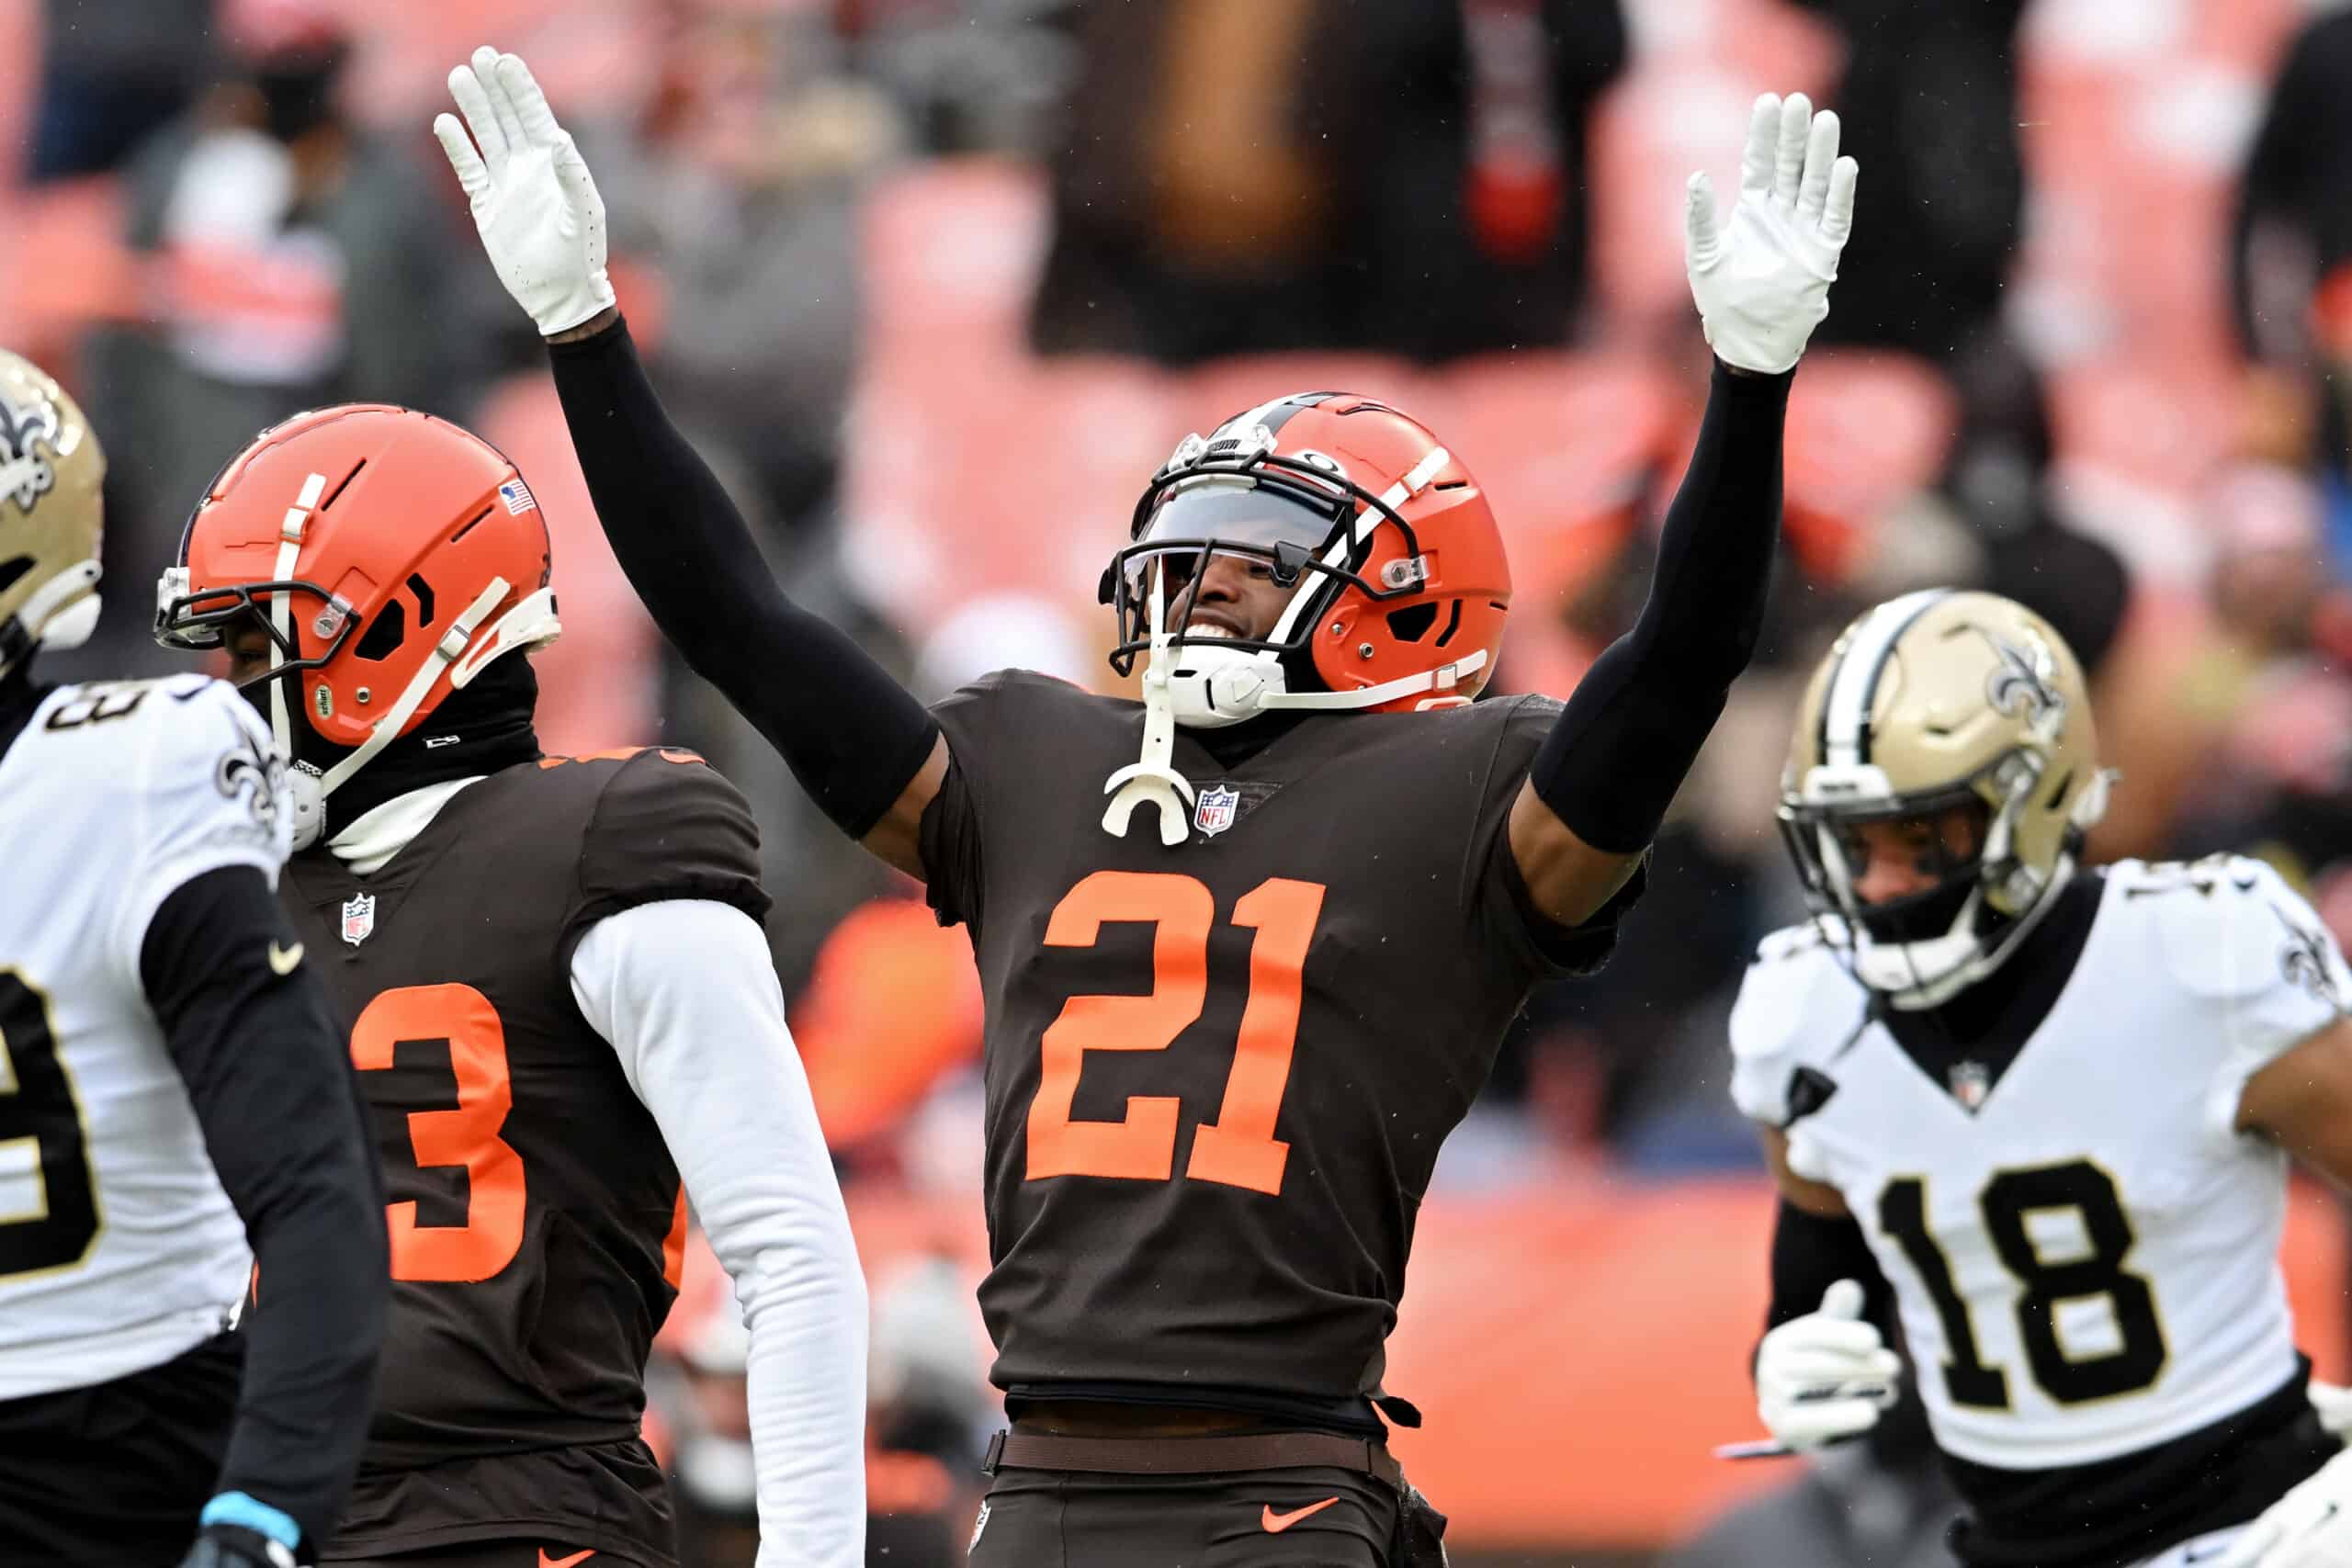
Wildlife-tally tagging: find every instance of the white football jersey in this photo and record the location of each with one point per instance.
(118, 1250)
(2084, 1253)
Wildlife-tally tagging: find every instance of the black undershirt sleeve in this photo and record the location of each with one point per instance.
(852, 735)
(269, 1075)
(1619, 750)
(1811, 1253)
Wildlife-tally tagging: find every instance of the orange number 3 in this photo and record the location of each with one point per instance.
(1238, 1148)
(466, 1135)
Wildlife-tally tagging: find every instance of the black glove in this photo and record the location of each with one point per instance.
(234, 1546)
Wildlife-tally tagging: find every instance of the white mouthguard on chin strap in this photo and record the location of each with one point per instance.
(1153, 779)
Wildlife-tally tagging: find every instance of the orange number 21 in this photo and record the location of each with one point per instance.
(1238, 1148)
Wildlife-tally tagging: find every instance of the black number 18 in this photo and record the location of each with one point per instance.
(37, 1105)
(2007, 1200)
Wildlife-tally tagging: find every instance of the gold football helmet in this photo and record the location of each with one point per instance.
(1930, 702)
(50, 468)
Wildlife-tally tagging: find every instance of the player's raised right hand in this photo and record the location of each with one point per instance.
(533, 199)
(1826, 1375)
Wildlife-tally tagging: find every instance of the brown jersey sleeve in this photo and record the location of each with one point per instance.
(981, 724)
(665, 825)
(1505, 911)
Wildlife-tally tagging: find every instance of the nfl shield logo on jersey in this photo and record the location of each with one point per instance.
(359, 917)
(1215, 813)
(1970, 1083)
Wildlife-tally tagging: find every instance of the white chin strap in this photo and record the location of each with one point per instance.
(530, 622)
(1217, 686)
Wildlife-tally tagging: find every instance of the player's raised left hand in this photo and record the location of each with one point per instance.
(2311, 1527)
(533, 199)
(1762, 283)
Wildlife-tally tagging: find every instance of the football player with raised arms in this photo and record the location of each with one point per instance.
(2042, 1114)
(176, 1106)
(1235, 1007)
(564, 1014)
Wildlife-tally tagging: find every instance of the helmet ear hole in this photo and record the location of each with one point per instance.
(424, 592)
(1413, 622)
(384, 635)
(11, 569)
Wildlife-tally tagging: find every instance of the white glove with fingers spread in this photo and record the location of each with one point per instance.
(1762, 285)
(1826, 1375)
(533, 199)
(2311, 1527)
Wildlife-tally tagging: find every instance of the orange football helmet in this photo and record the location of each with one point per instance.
(1402, 587)
(389, 554)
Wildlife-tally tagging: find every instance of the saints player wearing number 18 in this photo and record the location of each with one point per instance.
(2052, 1105)
(565, 1020)
(174, 1103)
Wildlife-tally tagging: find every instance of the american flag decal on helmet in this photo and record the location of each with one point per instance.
(518, 497)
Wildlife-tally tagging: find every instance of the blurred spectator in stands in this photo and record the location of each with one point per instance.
(111, 74)
(714, 1479)
(294, 259)
(1879, 1502)
(974, 75)
(2268, 699)
(734, 201)
(928, 1416)
(2290, 263)
(1400, 176)
(1930, 88)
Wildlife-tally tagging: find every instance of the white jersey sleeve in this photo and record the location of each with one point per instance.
(1797, 1008)
(686, 994)
(2243, 941)
(209, 791)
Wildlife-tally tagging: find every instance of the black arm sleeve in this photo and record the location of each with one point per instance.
(852, 735)
(1619, 749)
(271, 1081)
(2272, 187)
(1811, 1253)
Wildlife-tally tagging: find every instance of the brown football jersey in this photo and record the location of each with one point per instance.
(1218, 1074)
(538, 1220)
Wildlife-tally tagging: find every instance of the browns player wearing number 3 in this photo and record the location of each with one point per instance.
(562, 1015)
(1248, 944)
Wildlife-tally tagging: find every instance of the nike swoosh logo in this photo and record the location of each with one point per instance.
(546, 1561)
(282, 960)
(1277, 1523)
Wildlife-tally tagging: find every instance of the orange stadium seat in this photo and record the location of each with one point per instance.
(64, 266)
(597, 684)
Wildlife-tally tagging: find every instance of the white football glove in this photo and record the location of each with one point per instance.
(2333, 1406)
(1826, 1375)
(541, 217)
(2309, 1528)
(1763, 285)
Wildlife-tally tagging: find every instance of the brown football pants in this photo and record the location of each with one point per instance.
(1266, 1518)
